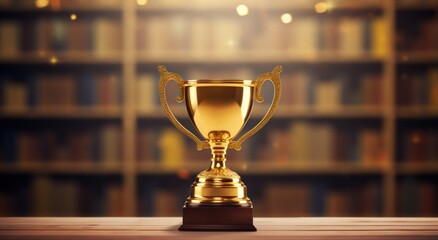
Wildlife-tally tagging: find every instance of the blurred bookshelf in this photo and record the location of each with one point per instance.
(83, 133)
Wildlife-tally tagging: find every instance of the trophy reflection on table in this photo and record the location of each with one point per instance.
(219, 109)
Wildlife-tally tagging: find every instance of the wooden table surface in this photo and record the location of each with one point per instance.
(268, 228)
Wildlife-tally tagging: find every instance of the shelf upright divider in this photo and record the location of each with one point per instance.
(389, 181)
(128, 105)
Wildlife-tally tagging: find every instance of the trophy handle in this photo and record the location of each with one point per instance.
(165, 77)
(274, 76)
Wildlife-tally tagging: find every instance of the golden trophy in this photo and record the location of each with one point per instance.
(219, 109)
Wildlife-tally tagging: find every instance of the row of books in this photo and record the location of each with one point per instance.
(304, 36)
(418, 145)
(162, 201)
(321, 143)
(303, 89)
(104, 89)
(101, 145)
(418, 88)
(417, 33)
(100, 36)
(166, 146)
(331, 92)
(319, 199)
(301, 142)
(417, 197)
(281, 200)
(46, 197)
(61, 90)
(66, 197)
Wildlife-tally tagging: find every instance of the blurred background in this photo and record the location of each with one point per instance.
(82, 132)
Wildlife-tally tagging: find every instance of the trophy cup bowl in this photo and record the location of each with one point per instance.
(219, 109)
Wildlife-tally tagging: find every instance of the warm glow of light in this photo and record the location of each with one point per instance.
(142, 2)
(73, 17)
(416, 139)
(183, 173)
(242, 10)
(321, 7)
(53, 60)
(286, 18)
(41, 3)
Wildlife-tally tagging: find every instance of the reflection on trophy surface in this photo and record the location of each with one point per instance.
(219, 109)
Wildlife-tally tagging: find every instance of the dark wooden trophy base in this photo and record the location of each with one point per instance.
(217, 218)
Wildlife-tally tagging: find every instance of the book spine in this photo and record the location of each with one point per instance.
(10, 39)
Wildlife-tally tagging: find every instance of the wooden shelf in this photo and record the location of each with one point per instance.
(296, 6)
(87, 58)
(282, 112)
(416, 57)
(93, 168)
(90, 7)
(430, 167)
(417, 112)
(417, 5)
(255, 58)
(64, 112)
(266, 168)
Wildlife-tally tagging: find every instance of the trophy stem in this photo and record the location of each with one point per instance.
(218, 150)
(218, 141)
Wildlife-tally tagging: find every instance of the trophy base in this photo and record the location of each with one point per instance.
(217, 218)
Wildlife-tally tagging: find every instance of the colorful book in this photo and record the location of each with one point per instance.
(432, 79)
(304, 40)
(352, 36)
(328, 94)
(299, 143)
(64, 198)
(146, 91)
(115, 203)
(299, 89)
(372, 89)
(9, 38)
(166, 203)
(337, 203)
(41, 196)
(107, 36)
(416, 146)
(172, 149)
(154, 30)
(278, 199)
(14, 95)
(28, 147)
(371, 147)
(59, 38)
(146, 145)
(110, 144)
(42, 32)
(86, 86)
(330, 31)
(379, 37)
(108, 90)
(80, 37)
(9, 145)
